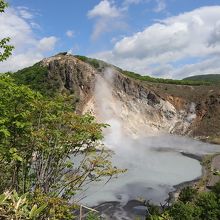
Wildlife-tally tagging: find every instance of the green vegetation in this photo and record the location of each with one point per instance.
(6, 50)
(93, 62)
(188, 194)
(40, 139)
(192, 205)
(212, 78)
(97, 64)
(13, 206)
(100, 65)
(161, 80)
(93, 216)
(36, 77)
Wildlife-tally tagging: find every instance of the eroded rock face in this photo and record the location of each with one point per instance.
(71, 75)
(140, 106)
(149, 109)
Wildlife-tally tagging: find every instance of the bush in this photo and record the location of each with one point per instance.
(92, 216)
(182, 211)
(188, 194)
(216, 189)
(13, 206)
(208, 204)
(193, 205)
(57, 208)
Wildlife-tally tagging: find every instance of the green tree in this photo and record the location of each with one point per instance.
(193, 205)
(6, 50)
(45, 145)
(46, 148)
(16, 107)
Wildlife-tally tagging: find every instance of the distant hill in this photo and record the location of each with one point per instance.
(213, 78)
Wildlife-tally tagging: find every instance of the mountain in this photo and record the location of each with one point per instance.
(212, 78)
(142, 104)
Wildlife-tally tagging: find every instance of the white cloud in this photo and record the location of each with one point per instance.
(188, 36)
(28, 48)
(47, 43)
(20, 61)
(70, 33)
(208, 66)
(161, 39)
(25, 13)
(108, 18)
(161, 5)
(128, 3)
(104, 9)
(215, 35)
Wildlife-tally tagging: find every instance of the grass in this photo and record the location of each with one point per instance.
(93, 62)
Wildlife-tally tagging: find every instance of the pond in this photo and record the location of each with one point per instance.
(155, 164)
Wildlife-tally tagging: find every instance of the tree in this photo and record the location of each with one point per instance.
(45, 146)
(192, 205)
(6, 50)
(46, 149)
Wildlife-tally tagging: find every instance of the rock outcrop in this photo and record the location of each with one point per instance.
(144, 106)
(71, 75)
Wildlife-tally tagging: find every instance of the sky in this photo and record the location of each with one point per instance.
(161, 38)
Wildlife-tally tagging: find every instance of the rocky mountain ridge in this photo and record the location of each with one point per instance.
(144, 106)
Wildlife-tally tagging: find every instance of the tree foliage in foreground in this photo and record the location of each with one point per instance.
(5, 49)
(45, 147)
(192, 205)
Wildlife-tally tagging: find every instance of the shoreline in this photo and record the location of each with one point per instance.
(173, 195)
(201, 182)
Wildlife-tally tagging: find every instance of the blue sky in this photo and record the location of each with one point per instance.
(166, 38)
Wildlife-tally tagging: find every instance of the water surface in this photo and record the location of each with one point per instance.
(154, 165)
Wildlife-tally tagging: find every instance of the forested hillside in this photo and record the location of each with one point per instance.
(211, 78)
